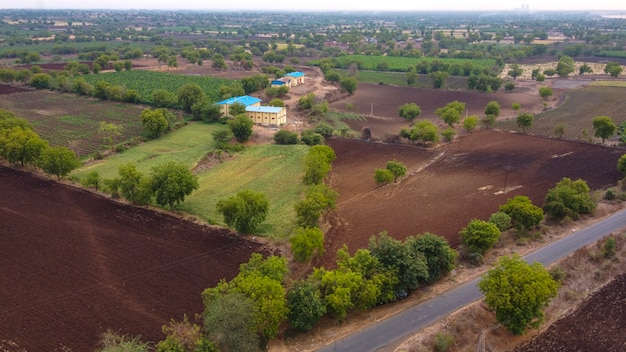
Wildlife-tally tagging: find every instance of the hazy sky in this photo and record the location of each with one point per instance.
(390, 5)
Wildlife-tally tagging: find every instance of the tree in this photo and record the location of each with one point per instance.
(492, 109)
(244, 211)
(545, 92)
(448, 134)
(584, 69)
(188, 95)
(109, 132)
(440, 257)
(439, 78)
(603, 127)
(516, 106)
(409, 265)
(524, 214)
(318, 199)
(621, 164)
(515, 71)
(509, 86)
(40, 80)
(518, 291)
(409, 111)
(58, 161)
(92, 179)
(348, 84)
(229, 321)
(20, 143)
(155, 122)
(307, 243)
(133, 185)
(332, 76)
(501, 220)
(171, 182)
(559, 130)
(614, 69)
(383, 176)
(277, 102)
(524, 120)
(306, 306)
(162, 98)
(470, 123)
(184, 336)
(569, 198)
(451, 113)
(424, 131)
(565, 66)
(317, 164)
(241, 126)
(479, 236)
(397, 169)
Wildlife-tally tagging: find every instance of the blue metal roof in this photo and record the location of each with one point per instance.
(278, 82)
(295, 74)
(270, 109)
(246, 100)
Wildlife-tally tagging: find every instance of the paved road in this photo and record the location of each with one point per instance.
(388, 333)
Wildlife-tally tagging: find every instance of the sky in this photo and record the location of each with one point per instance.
(326, 5)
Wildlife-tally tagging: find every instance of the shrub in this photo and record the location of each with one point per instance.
(479, 236)
(286, 137)
(501, 220)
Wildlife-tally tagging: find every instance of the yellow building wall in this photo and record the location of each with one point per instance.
(266, 118)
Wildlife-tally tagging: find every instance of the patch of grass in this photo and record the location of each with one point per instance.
(609, 83)
(272, 169)
(74, 120)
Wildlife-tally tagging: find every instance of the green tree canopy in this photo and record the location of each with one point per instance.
(241, 126)
(613, 68)
(621, 164)
(565, 66)
(155, 122)
(171, 182)
(244, 211)
(440, 257)
(492, 109)
(317, 164)
(569, 198)
(133, 185)
(470, 123)
(524, 214)
(518, 292)
(423, 131)
(189, 95)
(318, 199)
(397, 168)
(409, 111)
(383, 176)
(229, 321)
(545, 92)
(603, 127)
(348, 84)
(58, 161)
(20, 144)
(307, 243)
(479, 236)
(306, 305)
(524, 120)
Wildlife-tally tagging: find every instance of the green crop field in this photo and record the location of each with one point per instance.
(577, 113)
(272, 169)
(145, 82)
(609, 83)
(401, 64)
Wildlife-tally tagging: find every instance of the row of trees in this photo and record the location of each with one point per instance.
(19, 144)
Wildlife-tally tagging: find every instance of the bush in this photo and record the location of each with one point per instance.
(479, 236)
(286, 137)
(311, 138)
(501, 220)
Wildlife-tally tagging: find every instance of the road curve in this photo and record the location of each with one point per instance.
(388, 333)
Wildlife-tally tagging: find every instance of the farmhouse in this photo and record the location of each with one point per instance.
(267, 115)
(290, 79)
(246, 100)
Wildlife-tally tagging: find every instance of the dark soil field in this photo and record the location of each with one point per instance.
(384, 102)
(599, 324)
(74, 264)
(448, 186)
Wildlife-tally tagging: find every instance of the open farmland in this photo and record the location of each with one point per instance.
(261, 168)
(401, 64)
(381, 103)
(79, 264)
(448, 186)
(144, 82)
(597, 325)
(71, 121)
(577, 112)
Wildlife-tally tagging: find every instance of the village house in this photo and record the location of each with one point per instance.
(263, 115)
(290, 79)
(245, 100)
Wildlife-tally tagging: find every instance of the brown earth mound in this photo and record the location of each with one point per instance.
(598, 325)
(448, 186)
(75, 264)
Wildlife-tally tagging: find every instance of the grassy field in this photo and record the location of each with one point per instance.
(577, 113)
(399, 79)
(621, 84)
(272, 169)
(401, 64)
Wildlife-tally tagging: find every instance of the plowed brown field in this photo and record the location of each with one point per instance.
(599, 324)
(74, 264)
(446, 187)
